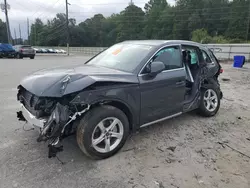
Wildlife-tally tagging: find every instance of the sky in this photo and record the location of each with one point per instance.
(47, 9)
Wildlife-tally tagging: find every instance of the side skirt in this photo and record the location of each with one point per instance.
(160, 120)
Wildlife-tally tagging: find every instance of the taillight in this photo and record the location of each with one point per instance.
(21, 50)
(221, 70)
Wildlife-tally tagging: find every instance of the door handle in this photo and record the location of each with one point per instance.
(180, 82)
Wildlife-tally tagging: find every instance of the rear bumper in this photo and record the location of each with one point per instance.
(27, 55)
(25, 115)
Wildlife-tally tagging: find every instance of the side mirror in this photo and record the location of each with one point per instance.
(156, 68)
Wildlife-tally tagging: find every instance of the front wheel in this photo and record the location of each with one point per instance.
(210, 101)
(102, 132)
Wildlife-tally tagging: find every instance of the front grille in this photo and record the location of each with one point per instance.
(29, 100)
(39, 107)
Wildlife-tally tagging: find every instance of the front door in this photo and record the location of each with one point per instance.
(163, 95)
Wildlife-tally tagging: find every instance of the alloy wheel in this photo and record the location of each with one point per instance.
(210, 100)
(107, 135)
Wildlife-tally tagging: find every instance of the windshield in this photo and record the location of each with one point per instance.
(125, 57)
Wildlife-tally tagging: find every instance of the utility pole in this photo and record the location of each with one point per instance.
(35, 35)
(20, 34)
(67, 25)
(15, 36)
(28, 30)
(7, 21)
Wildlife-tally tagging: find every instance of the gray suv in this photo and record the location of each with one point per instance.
(25, 51)
(128, 86)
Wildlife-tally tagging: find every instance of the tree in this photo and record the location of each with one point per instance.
(3, 33)
(217, 21)
(35, 32)
(153, 11)
(238, 17)
(130, 24)
(201, 36)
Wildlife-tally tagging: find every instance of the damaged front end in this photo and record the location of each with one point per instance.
(53, 116)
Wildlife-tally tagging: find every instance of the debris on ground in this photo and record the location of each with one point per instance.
(160, 149)
(160, 184)
(225, 79)
(200, 151)
(223, 144)
(172, 148)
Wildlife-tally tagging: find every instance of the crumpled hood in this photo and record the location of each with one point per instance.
(57, 82)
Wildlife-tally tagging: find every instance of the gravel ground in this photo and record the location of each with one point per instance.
(187, 151)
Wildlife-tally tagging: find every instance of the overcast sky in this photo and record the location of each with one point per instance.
(46, 9)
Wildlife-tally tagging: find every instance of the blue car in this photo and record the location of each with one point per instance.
(6, 50)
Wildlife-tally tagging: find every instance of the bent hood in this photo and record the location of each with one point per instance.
(62, 81)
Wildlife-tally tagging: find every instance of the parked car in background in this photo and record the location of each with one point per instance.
(7, 50)
(24, 51)
(63, 51)
(43, 50)
(37, 50)
(51, 50)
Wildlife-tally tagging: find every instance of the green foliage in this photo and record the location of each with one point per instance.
(3, 33)
(201, 36)
(206, 21)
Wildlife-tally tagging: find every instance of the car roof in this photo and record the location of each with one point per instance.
(161, 42)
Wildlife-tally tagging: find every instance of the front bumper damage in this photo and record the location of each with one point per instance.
(52, 128)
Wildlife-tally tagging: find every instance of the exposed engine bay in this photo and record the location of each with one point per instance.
(55, 115)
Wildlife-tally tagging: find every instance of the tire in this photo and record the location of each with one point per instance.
(88, 130)
(32, 57)
(18, 56)
(203, 107)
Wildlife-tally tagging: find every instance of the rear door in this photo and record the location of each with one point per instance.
(163, 95)
(211, 63)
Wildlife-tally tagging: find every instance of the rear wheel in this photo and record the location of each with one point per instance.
(102, 132)
(210, 101)
(32, 57)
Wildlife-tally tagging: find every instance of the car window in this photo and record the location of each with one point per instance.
(212, 56)
(192, 54)
(170, 56)
(125, 57)
(206, 58)
(26, 47)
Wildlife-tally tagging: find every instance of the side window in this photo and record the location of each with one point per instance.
(205, 56)
(190, 55)
(170, 56)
